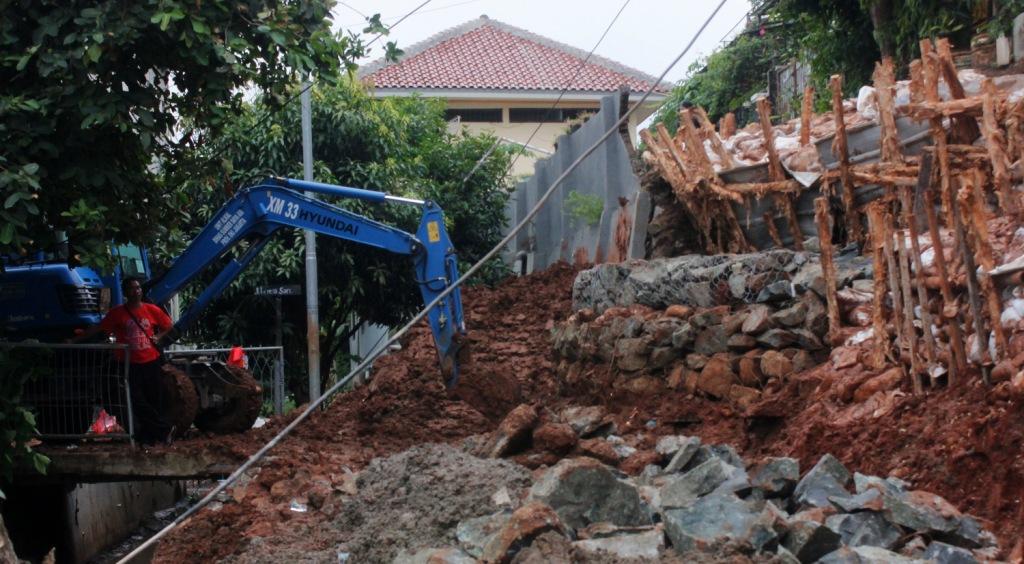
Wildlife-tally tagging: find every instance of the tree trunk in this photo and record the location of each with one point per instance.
(881, 19)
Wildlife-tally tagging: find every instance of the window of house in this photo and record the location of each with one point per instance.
(545, 115)
(488, 115)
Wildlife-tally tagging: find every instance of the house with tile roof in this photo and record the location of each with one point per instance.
(499, 78)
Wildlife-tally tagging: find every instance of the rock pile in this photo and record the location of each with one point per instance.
(729, 326)
(704, 503)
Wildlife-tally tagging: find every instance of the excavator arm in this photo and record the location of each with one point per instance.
(256, 213)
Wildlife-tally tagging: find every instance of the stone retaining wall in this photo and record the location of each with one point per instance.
(725, 326)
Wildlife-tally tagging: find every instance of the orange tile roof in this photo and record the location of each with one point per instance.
(485, 54)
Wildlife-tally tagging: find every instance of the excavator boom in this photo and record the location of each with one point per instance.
(256, 213)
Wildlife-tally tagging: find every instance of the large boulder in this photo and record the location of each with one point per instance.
(809, 540)
(714, 474)
(523, 526)
(584, 491)
(865, 528)
(827, 478)
(717, 520)
(777, 477)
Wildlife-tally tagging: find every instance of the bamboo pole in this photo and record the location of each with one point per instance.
(884, 79)
(950, 308)
(973, 292)
(978, 215)
(895, 288)
(909, 332)
(965, 128)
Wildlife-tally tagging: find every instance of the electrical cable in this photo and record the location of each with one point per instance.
(315, 404)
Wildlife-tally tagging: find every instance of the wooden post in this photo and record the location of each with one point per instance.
(909, 332)
(842, 153)
(978, 217)
(884, 79)
(708, 132)
(995, 142)
(895, 289)
(973, 292)
(881, 333)
(965, 128)
(828, 268)
(950, 308)
(727, 126)
(907, 203)
(776, 172)
(806, 110)
(773, 232)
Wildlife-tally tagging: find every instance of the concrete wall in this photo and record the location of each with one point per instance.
(606, 174)
(81, 520)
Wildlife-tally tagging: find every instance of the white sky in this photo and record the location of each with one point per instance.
(647, 36)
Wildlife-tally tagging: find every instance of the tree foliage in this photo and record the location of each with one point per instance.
(94, 91)
(18, 365)
(399, 146)
(725, 80)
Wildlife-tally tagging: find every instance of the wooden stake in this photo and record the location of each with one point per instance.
(881, 333)
(995, 142)
(708, 132)
(965, 129)
(839, 149)
(950, 308)
(727, 126)
(983, 251)
(776, 173)
(884, 79)
(773, 232)
(807, 108)
(973, 292)
(828, 268)
(907, 201)
(895, 288)
(909, 332)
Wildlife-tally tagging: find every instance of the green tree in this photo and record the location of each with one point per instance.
(725, 80)
(400, 146)
(95, 93)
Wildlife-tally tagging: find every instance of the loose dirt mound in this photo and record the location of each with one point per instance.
(404, 405)
(964, 444)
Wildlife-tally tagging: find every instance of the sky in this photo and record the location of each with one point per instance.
(647, 35)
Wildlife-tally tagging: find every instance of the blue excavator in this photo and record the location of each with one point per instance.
(218, 397)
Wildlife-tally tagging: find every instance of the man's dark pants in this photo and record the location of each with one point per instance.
(147, 401)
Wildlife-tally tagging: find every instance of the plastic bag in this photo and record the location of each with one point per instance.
(238, 358)
(104, 423)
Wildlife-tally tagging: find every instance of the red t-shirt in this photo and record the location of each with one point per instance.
(138, 339)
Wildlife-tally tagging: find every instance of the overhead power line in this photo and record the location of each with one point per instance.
(315, 404)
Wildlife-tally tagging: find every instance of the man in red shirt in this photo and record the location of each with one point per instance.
(136, 324)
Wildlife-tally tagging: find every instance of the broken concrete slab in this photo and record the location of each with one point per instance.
(584, 491)
(646, 545)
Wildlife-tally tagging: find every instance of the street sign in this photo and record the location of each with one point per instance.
(279, 291)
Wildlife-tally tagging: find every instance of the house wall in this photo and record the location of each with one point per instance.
(546, 136)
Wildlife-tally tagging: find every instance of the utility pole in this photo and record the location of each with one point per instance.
(312, 303)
